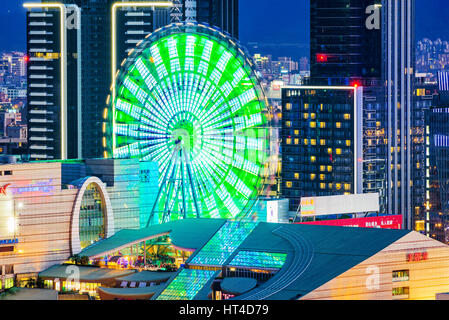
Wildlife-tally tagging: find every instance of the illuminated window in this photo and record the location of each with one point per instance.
(338, 186)
(417, 209)
(296, 175)
(296, 141)
(313, 116)
(401, 275)
(338, 125)
(306, 142)
(322, 177)
(322, 186)
(288, 106)
(288, 184)
(323, 142)
(313, 159)
(313, 124)
(313, 142)
(329, 150)
(348, 143)
(322, 168)
(312, 176)
(347, 116)
(306, 116)
(347, 187)
(296, 132)
(322, 125)
(338, 151)
(288, 123)
(289, 141)
(401, 293)
(92, 216)
(329, 168)
(306, 106)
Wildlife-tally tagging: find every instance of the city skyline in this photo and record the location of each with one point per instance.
(224, 150)
(430, 22)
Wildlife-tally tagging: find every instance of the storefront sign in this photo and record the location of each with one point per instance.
(417, 256)
(383, 222)
(9, 241)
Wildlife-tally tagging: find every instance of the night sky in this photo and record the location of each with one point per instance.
(260, 21)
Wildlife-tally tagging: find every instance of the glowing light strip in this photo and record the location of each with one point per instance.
(63, 63)
(115, 6)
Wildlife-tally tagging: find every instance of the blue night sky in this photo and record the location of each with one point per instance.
(260, 21)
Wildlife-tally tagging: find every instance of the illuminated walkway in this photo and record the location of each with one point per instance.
(186, 285)
(223, 244)
(216, 252)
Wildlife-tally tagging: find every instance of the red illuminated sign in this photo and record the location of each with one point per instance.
(417, 256)
(3, 189)
(384, 222)
(321, 57)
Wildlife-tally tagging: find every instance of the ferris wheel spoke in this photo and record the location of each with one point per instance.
(162, 187)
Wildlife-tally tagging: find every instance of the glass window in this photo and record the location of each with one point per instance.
(401, 292)
(92, 216)
(9, 283)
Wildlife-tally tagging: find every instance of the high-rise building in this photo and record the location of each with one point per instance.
(95, 37)
(432, 220)
(399, 67)
(321, 142)
(345, 46)
(371, 43)
(219, 13)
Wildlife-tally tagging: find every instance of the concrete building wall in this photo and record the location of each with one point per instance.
(373, 278)
(42, 213)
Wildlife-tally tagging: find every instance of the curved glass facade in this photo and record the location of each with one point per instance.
(92, 216)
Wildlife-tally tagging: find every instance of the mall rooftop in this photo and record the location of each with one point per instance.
(290, 261)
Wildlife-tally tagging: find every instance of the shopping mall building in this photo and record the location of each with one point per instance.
(50, 211)
(257, 261)
(99, 209)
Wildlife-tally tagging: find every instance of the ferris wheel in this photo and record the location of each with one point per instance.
(188, 98)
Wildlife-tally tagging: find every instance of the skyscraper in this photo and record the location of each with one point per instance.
(321, 142)
(54, 64)
(371, 43)
(219, 13)
(83, 62)
(399, 67)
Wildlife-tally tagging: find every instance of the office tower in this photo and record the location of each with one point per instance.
(219, 13)
(105, 32)
(321, 142)
(54, 55)
(345, 47)
(125, 27)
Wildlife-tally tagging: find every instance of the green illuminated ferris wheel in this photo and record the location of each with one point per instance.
(188, 98)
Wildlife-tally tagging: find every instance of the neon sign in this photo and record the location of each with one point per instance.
(9, 241)
(417, 256)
